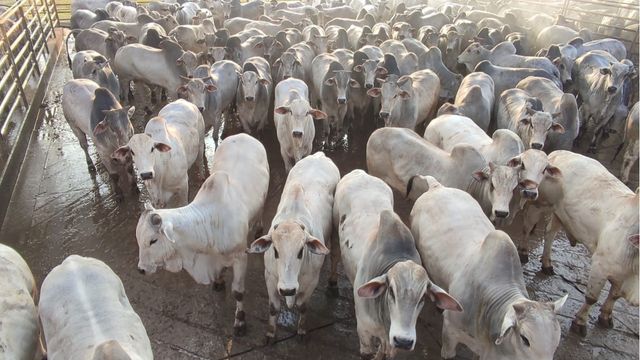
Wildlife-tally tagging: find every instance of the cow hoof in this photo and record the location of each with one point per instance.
(301, 337)
(240, 330)
(548, 270)
(367, 356)
(218, 287)
(269, 340)
(605, 323)
(92, 168)
(524, 258)
(148, 111)
(578, 329)
(119, 198)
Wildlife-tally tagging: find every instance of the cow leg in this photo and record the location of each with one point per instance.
(274, 307)
(605, 320)
(302, 319)
(449, 339)
(125, 89)
(532, 216)
(594, 287)
(367, 348)
(335, 258)
(550, 234)
(182, 196)
(115, 178)
(82, 138)
(217, 123)
(630, 157)
(239, 272)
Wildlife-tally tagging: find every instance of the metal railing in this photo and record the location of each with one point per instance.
(25, 29)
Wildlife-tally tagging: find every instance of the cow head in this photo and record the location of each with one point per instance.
(394, 91)
(615, 76)
(319, 43)
(341, 81)
(536, 125)
(501, 181)
(530, 329)
(288, 65)
(188, 61)
(533, 166)
(196, 91)
(146, 152)
(401, 30)
(215, 53)
(290, 245)
(472, 55)
(371, 72)
(298, 114)
(251, 83)
(156, 242)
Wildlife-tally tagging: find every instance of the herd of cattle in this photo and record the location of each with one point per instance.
(501, 99)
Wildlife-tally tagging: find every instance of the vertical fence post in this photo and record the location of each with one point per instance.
(29, 36)
(6, 42)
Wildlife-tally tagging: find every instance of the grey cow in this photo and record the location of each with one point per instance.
(254, 94)
(89, 64)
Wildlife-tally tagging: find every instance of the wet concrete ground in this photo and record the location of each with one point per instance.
(59, 208)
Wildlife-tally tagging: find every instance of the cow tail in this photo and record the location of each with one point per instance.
(74, 33)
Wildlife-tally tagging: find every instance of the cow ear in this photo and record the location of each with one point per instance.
(316, 246)
(508, 323)
(121, 154)
(552, 171)
(633, 239)
(557, 128)
(605, 71)
(330, 81)
(375, 92)
(282, 110)
(130, 111)
(557, 305)
(260, 245)
(514, 161)
(148, 206)
(381, 71)
(442, 299)
(404, 95)
(374, 288)
(357, 68)
(167, 230)
(354, 84)
(264, 82)
(525, 121)
(480, 175)
(162, 147)
(317, 114)
(211, 87)
(100, 128)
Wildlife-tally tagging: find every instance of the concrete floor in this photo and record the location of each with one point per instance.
(59, 208)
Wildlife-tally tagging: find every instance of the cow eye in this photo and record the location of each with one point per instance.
(492, 187)
(300, 253)
(275, 253)
(152, 149)
(525, 340)
(153, 241)
(132, 153)
(393, 296)
(522, 166)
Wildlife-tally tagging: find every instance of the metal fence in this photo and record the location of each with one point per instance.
(25, 29)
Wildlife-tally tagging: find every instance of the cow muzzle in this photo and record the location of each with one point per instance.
(249, 98)
(342, 101)
(287, 292)
(286, 76)
(368, 86)
(530, 194)
(501, 214)
(612, 89)
(201, 109)
(536, 146)
(384, 114)
(141, 271)
(297, 134)
(146, 175)
(402, 343)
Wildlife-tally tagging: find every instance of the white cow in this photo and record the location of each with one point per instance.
(599, 211)
(211, 232)
(479, 266)
(294, 248)
(447, 131)
(293, 117)
(20, 330)
(170, 144)
(381, 261)
(475, 98)
(85, 314)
